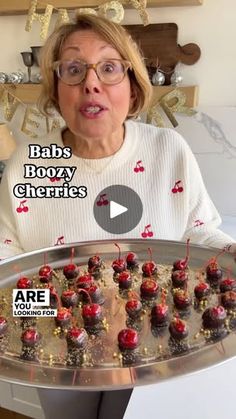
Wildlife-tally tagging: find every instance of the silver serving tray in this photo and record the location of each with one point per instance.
(109, 375)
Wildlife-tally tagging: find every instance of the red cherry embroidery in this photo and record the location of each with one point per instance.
(102, 200)
(147, 232)
(22, 207)
(55, 179)
(60, 240)
(177, 187)
(198, 223)
(139, 167)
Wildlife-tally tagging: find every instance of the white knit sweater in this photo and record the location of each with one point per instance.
(166, 159)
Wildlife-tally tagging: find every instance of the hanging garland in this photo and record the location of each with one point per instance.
(114, 8)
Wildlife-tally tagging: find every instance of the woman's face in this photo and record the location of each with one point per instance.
(76, 102)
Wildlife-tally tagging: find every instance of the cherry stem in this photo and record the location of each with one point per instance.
(163, 297)
(119, 250)
(74, 321)
(53, 292)
(229, 272)
(45, 258)
(85, 292)
(72, 255)
(150, 253)
(188, 250)
(214, 259)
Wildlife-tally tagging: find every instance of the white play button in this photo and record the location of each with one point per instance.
(116, 209)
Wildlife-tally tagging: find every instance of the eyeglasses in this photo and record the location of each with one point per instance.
(73, 72)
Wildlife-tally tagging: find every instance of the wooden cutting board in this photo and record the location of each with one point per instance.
(159, 42)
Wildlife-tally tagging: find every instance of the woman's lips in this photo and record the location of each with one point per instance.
(92, 111)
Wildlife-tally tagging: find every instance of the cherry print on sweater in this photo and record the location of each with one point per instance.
(60, 240)
(22, 207)
(139, 167)
(198, 223)
(147, 232)
(102, 200)
(177, 187)
(55, 179)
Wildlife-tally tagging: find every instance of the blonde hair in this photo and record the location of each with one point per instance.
(111, 32)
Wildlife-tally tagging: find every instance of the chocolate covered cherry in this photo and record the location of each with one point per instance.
(24, 283)
(95, 262)
(119, 265)
(228, 300)
(30, 337)
(63, 317)
(202, 290)
(178, 329)
(149, 268)
(214, 317)
(124, 280)
(133, 308)
(214, 273)
(45, 274)
(131, 260)
(179, 279)
(128, 339)
(228, 284)
(77, 338)
(149, 289)
(182, 264)
(69, 298)
(92, 315)
(182, 299)
(159, 315)
(3, 325)
(84, 281)
(95, 294)
(71, 271)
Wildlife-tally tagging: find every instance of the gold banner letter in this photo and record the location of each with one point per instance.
(44, 19)
(31, 122)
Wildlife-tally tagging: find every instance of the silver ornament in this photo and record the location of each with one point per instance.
(158, 78)
(16, 77)
(3, 78)
(176, 79)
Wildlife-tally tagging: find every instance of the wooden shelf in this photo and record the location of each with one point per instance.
(29, 93)
(21, 7)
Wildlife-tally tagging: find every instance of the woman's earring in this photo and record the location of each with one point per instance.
(158, 78)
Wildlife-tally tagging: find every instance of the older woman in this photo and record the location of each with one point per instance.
(94, 75)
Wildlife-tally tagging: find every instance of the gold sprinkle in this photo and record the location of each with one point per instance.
(145, 350)
(197, 335)
(160, 348)
(115, 355)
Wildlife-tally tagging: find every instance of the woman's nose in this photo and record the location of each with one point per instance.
(91, 82)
